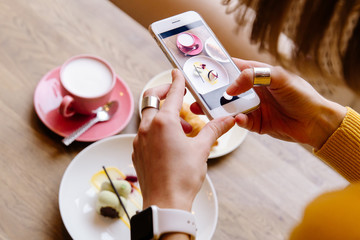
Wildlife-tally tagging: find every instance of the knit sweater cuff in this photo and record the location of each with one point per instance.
(342, 150)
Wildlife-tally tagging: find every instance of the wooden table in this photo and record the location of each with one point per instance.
(262, 187)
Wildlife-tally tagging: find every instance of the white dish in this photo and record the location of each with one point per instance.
(214, 50)
(77, 195)
(201, 85)
(227, 143)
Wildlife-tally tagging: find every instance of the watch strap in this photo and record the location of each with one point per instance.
(175, 220)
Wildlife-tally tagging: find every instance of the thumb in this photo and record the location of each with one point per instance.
(279, 79)
(243, 83)
(215, 129)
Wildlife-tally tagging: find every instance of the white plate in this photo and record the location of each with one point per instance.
(77, 196)
(198, 83)
(227, 143)
(214, 50)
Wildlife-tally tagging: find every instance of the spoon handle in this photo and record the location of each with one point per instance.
(192, 49)
(69, 139)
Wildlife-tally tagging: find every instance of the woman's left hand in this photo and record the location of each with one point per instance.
(171, 167)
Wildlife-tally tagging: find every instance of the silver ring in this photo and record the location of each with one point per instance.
(150, 102)
(262, 76)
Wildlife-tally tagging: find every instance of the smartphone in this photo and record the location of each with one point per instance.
(192, 47)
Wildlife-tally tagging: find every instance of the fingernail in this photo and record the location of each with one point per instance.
(174, 72)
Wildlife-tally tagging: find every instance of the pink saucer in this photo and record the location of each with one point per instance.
(195, 51)
(47, 99)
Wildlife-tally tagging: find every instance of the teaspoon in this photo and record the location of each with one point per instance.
(103, 114)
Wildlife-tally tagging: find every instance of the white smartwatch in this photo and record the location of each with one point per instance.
(152, 222)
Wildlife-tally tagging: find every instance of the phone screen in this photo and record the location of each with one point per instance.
(207, 66)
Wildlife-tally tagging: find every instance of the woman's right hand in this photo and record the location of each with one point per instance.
(290, 109)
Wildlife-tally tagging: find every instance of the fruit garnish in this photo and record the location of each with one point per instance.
(131, 178)
(100, 177)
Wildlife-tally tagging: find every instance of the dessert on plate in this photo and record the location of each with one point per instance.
(211, 76)
(107, 203)
(194, 120)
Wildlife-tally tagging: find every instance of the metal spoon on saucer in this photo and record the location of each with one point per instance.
(103, 114)
(196, 46)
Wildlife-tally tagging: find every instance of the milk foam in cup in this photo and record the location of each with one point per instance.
(186, 40)
(86, 83)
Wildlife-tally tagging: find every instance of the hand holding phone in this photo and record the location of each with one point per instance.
(192, 47)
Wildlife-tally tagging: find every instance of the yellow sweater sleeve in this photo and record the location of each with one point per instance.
(331, 216)
(336, 215)
(342, 150)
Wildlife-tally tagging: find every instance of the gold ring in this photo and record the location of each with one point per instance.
(262, 76)
(150, 102)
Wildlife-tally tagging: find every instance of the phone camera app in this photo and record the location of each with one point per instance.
(205, 64)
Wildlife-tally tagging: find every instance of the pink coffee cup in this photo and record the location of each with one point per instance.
(86, 84)
(186, 40)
